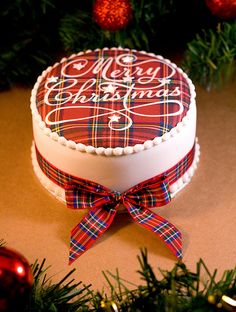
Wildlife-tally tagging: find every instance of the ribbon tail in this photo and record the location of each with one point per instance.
(91, 227)
(165, 230)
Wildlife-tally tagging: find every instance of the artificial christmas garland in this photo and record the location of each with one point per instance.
(214, 51)
(40, 32)
(177, 290)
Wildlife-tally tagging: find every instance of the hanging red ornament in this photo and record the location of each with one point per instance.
(16, 280)
(225, 9)
(112, 14)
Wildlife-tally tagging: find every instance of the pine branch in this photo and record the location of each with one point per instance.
(2, 243)
(62, 296)
(29, 44)
(211, 58)
(78, 31)
(176, 290)
(42, 31)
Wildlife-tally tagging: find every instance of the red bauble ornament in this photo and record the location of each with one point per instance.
(112, 14)
(225, 9)
(16, 280)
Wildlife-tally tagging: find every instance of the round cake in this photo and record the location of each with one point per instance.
(114, 118)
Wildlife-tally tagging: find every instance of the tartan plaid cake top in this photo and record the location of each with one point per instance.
(112, 97)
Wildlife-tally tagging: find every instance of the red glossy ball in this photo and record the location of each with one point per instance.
(112, 15)
(225, 9)
(16, 279)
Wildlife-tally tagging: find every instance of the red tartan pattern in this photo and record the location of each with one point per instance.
(103, 207)
(138, 117)
(103, 204)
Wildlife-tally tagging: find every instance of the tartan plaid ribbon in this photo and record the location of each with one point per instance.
(103, 204)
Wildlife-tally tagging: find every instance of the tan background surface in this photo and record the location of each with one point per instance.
(37, 225)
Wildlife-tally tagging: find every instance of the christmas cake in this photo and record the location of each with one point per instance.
(115, 127)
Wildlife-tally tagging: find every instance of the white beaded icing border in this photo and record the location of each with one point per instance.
(117, 151)
(59, 192)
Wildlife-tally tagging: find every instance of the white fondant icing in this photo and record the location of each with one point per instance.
(90, 149)
(59, 192)
(185, 120)
(166, 136)
(38, 118)
(148, 144)
(62, 140)
(185, 177)
(54, 136)
(47, 131)
(108, 151)
(138, 148)
(180, 183)
(157, 140)
(41, 124)
(118, 151)
(100, 150)
(80, 147)
(179, 126)
(71, 144)
(173, 132)
(128, 150)
(191, 171)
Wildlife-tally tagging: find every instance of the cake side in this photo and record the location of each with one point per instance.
(59, 192)
(119, 172)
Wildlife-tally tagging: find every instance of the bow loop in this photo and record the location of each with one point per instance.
(151, 193)
(87, 196)
(91, 227)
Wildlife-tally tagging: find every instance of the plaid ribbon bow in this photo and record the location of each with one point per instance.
(103, 205)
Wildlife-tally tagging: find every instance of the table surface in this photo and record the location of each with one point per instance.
(36, 224)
